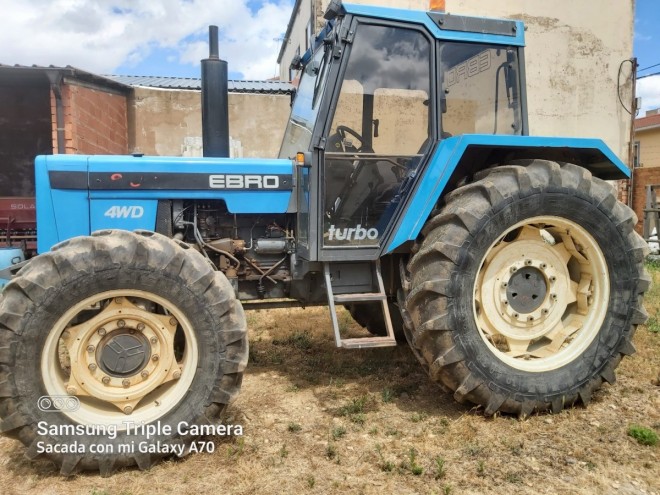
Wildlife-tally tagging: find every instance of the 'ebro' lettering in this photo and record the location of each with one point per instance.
(244, 181)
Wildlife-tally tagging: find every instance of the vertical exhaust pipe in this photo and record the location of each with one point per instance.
(215, 101)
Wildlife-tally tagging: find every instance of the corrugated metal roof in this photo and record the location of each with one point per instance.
(264, 87)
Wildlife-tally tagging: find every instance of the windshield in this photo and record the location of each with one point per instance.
(298, 134)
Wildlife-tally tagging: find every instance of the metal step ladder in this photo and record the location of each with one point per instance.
(333, 299)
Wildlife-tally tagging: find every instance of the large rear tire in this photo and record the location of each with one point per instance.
(527, 287)
(113, 328)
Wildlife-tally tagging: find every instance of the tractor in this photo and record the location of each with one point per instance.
(407, 190)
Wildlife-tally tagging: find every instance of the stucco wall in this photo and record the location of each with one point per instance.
(168, 122)
(574, 49)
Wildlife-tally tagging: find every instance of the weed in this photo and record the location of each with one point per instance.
(417, 417)
(284, 453)
(294, 427)
(446, 490)
(591, 466)
(330, 451)
(440, 470)
(236, 450)
(292, 388)
(392, 432)
(474, 449)
(387, 395)
(356, 406)
(513, 477)
(373, 431)
(311, 481)
(653, 324)
(384, 465)
(643, 435)
(481, 469)
(358, 419)
(298, 340)
(415, 468)
(338, 432)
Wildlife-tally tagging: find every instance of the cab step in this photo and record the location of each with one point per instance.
(381, 295)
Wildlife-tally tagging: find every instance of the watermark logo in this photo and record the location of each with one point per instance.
(56, 403)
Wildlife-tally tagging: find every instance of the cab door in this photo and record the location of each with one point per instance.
(377, 137)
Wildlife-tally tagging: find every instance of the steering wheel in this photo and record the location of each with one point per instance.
(342, 130)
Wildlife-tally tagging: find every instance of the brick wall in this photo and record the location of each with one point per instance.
(95, 121)
(643, 177)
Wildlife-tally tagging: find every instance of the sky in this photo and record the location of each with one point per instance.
(169, 37)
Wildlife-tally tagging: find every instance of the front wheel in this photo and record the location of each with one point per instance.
(527, 288)
(112, 332)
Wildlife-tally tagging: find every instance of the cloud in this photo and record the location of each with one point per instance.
(648, 89)
(102, 35)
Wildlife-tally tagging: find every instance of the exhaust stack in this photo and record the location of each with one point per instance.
(215, 101)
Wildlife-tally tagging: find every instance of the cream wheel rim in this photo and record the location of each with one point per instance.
(116, 352)
(541, 294)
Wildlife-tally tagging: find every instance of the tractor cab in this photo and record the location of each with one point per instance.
(376, 95)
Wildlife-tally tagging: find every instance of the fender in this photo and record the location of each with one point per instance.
(469, 153)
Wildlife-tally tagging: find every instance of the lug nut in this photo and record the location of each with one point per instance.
(105, 380)
(92, 367)
(102, 331)
(530, 318)
(126, 382)
(144, 374)
(544, 266)
(128, 410)
(514, 269)
(118, 300)
(173, 321)
(71, 390)
(155, 358)
(504, 285)
(553, 297)
(553, 279)
(121, 323)
(545, 311)
(516, 315)
(528, 262)
(90, 348)
(153, 340)
(176, 375)
(140, 327)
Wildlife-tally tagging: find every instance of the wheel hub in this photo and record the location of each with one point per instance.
(124, 354)
(526, 290)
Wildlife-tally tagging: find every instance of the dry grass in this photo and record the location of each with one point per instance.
(322, 420)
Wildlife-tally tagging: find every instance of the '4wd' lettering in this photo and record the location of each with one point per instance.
(124, 212)
(244, 181)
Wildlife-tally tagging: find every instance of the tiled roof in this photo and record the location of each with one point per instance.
(646, 122)
(264, 87)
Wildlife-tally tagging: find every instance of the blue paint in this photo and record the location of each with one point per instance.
(123, 214)
(8, 257)
(421, 17)
(447, 156)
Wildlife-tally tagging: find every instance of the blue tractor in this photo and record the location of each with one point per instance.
(407, 190)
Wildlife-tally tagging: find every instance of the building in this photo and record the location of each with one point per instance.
(646, 161)
(575, 56)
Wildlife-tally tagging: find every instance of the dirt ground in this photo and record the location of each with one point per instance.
(321, 420)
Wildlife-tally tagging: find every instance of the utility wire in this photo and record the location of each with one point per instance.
(649, 67)
(648, 75)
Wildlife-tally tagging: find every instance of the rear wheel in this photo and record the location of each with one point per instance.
(527, 288)
(115, 329)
